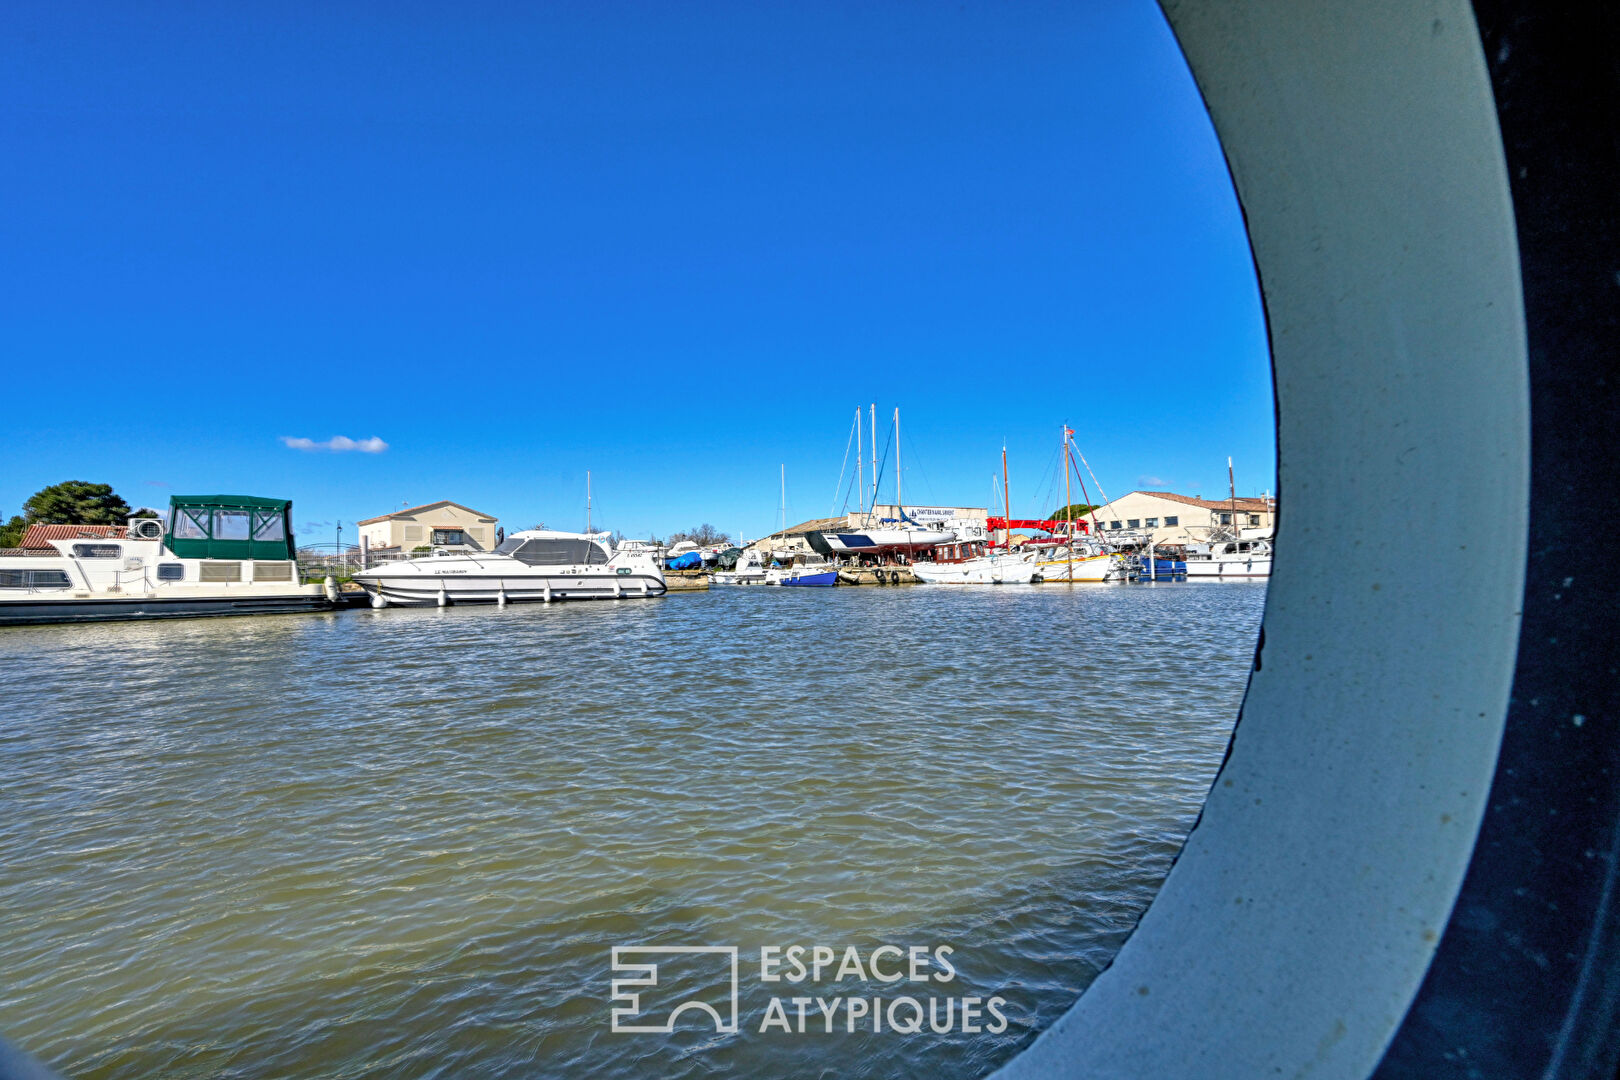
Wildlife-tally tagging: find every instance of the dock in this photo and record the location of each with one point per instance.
(876, 575)
(686, 580)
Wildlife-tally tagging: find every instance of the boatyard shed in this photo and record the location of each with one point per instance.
(1183, 519)
(792, 540)
(442, 524)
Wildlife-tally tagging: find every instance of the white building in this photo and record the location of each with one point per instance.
(1183, 519)
(438, 524)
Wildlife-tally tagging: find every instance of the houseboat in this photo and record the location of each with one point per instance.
(212, 555)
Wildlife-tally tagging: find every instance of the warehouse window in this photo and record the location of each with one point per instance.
(1172, 520)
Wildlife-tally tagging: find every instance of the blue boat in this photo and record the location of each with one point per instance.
(815, 578)
(1161, 570)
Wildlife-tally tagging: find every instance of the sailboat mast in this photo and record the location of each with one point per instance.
(1006, 495)
(587, 501)
(899, 497)
(872, 502)
(860, 460)
(1231, 493)
(784, 497)
(1068, 501)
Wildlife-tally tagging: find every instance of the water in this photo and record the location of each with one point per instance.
(402, 843)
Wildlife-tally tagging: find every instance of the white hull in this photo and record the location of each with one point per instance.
(989, 570)
(877, 541)
(726, 577)
(1228, 569)
(527, 567)
(1082, 568)
(429, 591)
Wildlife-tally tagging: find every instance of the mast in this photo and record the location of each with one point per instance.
(873, 501)
(899, 498)
(1231, 493)
(587, 502)
(784, 497)
(1068, 502)
(860, 460)
(1006, 533)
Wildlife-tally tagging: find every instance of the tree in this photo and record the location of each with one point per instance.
(11, 533)
(75, 502)
(1076, 511)
(704, 535)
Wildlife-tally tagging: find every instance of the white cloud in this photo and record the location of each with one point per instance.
(1150, 481)
(337, 444)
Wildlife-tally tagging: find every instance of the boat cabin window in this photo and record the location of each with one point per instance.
(556, 552)
(268, 526)
(221, 571)
(97, 551)
(171, 571)
(190, 524)
(272, 571)
(1170, 521)
(230, 525)
(34, 579)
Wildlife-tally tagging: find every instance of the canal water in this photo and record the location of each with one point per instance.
(405, 843)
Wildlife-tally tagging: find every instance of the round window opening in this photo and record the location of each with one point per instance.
(737, 819)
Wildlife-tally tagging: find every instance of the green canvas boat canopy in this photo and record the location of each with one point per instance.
(230, 527)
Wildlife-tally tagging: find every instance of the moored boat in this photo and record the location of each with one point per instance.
(534, 564)
(968, 563)
(814, 572)
(213, 555)
(747, 569)
(1229, 558)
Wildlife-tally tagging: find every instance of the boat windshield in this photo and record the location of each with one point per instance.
(554, 551)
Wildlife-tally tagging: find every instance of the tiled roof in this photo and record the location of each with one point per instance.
(812, 525)
(409, 510)
(38, 535)
(1244, 502)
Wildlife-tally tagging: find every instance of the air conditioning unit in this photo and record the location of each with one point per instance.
(145, 529)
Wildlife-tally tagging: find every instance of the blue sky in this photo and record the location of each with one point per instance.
(676, 245)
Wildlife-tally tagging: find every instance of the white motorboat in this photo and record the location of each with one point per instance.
(969, 564)
(813, 571)
(534, 564)
(1077, 560)
(1229, 559)
(750, 570)
(213, 555)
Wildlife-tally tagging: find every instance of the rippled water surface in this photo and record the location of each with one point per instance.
(403, 843)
